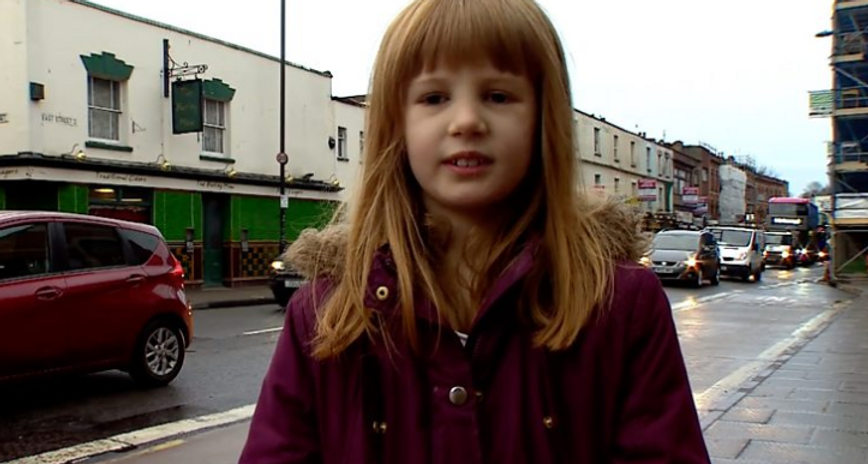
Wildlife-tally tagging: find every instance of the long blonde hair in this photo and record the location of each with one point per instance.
(573, 271)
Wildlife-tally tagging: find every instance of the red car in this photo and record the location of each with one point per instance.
(85, 294)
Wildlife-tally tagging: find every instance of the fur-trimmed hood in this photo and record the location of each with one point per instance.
(322, 251)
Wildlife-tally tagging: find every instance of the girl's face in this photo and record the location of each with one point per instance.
(469, 135)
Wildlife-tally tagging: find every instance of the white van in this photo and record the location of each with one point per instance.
(741, 251)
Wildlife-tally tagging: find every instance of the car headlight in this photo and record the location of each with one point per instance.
(690, 262)
(785, 254)
(742, 256)
(645, 261)
(278, 265)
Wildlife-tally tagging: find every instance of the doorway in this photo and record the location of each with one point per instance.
(215, 212)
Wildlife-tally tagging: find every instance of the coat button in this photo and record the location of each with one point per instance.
(382, 293)
(458, 396)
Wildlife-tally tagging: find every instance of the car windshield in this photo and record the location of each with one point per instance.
(739, 238)
(779, 239)
(676, 242)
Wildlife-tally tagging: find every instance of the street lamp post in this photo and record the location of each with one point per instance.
(282, 157)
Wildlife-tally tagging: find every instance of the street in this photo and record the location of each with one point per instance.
(729, 334)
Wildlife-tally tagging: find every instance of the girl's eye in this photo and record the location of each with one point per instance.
(498, 97)
(433, 99)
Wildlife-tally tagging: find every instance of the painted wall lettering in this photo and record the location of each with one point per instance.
(124, 178)
(59, 119)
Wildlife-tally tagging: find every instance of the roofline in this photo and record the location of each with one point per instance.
(197, 35)
(616, 126)
(349, 101)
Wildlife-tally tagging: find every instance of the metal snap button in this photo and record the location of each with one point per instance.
(458, 396)
(548, 422)
(382, 293)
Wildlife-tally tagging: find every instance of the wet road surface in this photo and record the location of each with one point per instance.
(723, 329)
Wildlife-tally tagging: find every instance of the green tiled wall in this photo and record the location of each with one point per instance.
(261, 217)
(174, 212)
(72, 198)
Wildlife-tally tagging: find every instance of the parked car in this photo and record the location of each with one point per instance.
(685, 255)
(284, 282)
(741, 251)
(81, 294)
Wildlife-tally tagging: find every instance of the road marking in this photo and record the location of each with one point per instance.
(693, 303)
(263, 331)
(151, 450)
(132, 440)
(717, 395)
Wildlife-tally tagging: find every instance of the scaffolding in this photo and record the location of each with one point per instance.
(847, 105)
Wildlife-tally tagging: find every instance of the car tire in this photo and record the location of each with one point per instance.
(715, 278)
(159, 354)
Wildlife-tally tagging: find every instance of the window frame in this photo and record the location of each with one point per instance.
(222, 129)
(342, 144)
(116, 113)
(598, 151)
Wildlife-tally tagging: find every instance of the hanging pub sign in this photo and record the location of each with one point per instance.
(187, 108)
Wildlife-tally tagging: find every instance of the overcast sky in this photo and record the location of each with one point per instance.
(734, 74)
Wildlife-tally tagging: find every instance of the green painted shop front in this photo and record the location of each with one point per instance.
(221, 239)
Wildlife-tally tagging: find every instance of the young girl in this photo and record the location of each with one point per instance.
(473, 306)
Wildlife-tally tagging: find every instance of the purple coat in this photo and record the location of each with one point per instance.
(619, 395)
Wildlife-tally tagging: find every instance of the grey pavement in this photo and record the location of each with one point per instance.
(220, 446)
(811, 409)
(223, 297)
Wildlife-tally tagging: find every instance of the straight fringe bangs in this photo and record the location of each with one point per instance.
(575, 268)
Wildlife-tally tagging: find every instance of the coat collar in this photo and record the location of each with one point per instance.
(382, 289)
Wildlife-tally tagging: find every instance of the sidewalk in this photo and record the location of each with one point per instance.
(811, 408)
(223, 297)
(220, 446)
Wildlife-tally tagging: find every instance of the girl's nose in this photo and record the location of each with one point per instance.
(468, 118)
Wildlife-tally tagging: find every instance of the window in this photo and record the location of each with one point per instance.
(660, 163)
(634, 190)
(23, 251)
(361, 143)
(597, 142)
(705, 175)
(648, 158)
(342, 144)
(598, 179)
(91, 246)
(143, 245)
(615, 148)
(617, 185)
(103, 108)
(214, 127)
(633, 154)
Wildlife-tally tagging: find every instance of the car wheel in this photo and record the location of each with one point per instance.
(715, 278)
(159, 354)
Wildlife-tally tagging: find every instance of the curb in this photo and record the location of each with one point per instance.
(256, 301)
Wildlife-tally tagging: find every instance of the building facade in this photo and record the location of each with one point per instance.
(616, 162)
(96, 125)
